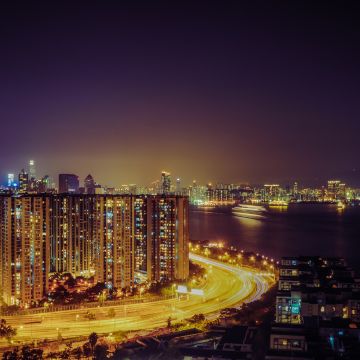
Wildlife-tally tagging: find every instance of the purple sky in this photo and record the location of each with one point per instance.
(231, 93)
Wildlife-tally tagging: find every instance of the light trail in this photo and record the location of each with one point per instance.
(226, 286)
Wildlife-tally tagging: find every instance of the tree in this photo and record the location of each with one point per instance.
(26, 353)
(96, 289)
(59, 295)
(11, 355)
(101, 351)
(6, 331)
(77, 353)
(197, 318)
(66, 354)
(31, 354)
(69, 280)
(93, 338)
(87, 349)
(52, 355)
(120, 354)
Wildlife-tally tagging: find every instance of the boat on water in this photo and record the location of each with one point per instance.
(340, 205)
(278, 204)
(250, 211)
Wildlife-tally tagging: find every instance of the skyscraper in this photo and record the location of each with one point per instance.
(11, 179)
(178, 186)
(23, 181)
(32, 170)
(165, 182)
(68, 183)
(89, 185)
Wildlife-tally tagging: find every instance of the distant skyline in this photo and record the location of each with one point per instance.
(174, 177)
(227, 93)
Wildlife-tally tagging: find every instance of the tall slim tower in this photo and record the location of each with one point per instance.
(165, 182)
(11, 179)
(178, 186)
(32, 170)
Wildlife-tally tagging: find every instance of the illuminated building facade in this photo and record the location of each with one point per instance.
(32, 169)
(71, 237)
(165, 182)
(140, 233)
(336, 190)
(11, 179)
(219, 195)
(113, 240)
(317, 302)
(107, 236)
(168, 250)
(24, 247)
(270, 192)
(23, 181)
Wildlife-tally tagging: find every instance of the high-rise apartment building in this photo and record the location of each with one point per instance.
(108, 236)
(68, 183)
(168, 252)
(24, 247)
(114, 241)
(72, 236)
(141, 233)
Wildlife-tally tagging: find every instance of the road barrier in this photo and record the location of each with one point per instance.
(89, 305)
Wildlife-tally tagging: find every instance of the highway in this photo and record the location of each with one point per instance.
(226, 286)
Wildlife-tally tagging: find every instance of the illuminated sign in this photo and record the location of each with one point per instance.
(182, 289)
(197, 292)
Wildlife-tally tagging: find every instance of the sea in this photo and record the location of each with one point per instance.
(299, 229)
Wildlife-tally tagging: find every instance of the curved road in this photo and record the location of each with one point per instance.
(226, 286)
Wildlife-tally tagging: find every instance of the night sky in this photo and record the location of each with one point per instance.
(222, 92)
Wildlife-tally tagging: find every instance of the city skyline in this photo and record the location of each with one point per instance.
(123, 92)
(175, 179)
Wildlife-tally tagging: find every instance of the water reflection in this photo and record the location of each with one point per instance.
(250, 221)
(301, 230)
